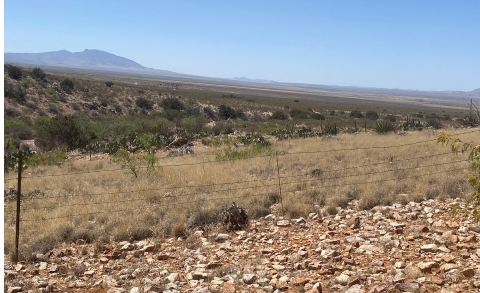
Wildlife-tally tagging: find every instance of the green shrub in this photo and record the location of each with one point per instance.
(172, 103)
(356, 114)
(28, 82)
(226, 112)
(38, 73)
(144, 103)
(317, 116)
(67, 85)
(15, 92)
(209, 112)
(279, 115)
(56, 157)
(13, 71)
(298, 114)
(108, 83)
(60, 132)
(384, 127)
(372, 115)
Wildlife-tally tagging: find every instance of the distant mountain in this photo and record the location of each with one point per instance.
(246, 79)
(475, 92)
(94, 59)
(104, 61)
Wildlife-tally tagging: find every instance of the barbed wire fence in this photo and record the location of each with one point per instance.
(176, 196)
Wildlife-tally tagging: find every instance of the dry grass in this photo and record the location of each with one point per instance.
(101, 205)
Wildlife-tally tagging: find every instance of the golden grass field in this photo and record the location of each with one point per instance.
(97, 201)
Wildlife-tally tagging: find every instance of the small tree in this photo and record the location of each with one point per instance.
(144, 103)
(60, 132)
(279, 115)
(473, 179)
(67, 85)
(38, 73)
(226, 112)
(14, 72)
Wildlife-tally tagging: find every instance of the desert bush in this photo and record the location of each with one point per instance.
(28, 82)
(20, 131)
(298, 114)
(173, 115)
(144, 103)
(67, 85)
(38, 73)
(384, 127)
(202, 217)
(317, 116)
(56, 157)
(279, 115)
(226, 112)
(14, 92)
(372, 115)
(172, 103)
(356, 114)
(371, 200)
(136, 162)
(12, 112)
(13, 71)
(108, 83)
(60, 132)
(209, 112)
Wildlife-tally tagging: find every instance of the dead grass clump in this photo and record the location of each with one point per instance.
(453, 187)
(140, 233)
(203, 217)
(340, 201)
(331, 210)
(41, 246)
(179, 229)
(295, 206)
(353, 193)
(432, 192)
(370, 200)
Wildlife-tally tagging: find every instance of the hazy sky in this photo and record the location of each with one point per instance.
(424, 45)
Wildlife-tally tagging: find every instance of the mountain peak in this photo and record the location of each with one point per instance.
(88, 58)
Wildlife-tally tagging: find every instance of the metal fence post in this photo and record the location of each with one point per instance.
(19, 192)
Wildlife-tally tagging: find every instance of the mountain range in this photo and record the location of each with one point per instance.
(101, 60)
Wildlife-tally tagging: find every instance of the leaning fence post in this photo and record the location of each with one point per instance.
(19, 192)
(279, 185)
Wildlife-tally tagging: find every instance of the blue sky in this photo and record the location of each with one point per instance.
(423, 45)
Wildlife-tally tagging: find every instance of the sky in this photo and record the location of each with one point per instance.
(419, 45)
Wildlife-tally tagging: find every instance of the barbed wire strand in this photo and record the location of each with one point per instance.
(253, 181)
(293, 190)
(253, 157)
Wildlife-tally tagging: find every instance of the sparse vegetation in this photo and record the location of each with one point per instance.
(67, 85)
(236, 161)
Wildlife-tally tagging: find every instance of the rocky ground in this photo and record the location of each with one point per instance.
(418, 247)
